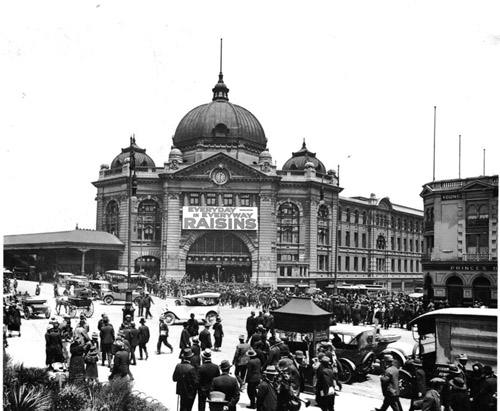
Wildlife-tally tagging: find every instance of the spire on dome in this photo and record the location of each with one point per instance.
(220, 90)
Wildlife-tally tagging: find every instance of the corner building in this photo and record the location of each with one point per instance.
(460, 259)
(220, 210)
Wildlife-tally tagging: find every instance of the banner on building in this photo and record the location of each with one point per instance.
(219, 218)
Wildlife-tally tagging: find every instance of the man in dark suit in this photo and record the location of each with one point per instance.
(107, 334)
(121, 362)
(253, 377)
(143, 338)
(228, 385)
(185, 341)
(205, 337)
(206, 373)
(133, 339)
(390, 386)
(185, 377)
(251, 325)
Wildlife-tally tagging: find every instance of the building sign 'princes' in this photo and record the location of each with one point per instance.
(219, 218)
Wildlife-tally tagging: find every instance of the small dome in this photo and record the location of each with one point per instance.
(141, 158)
(265, 156)
(175, 154)
(303, 159)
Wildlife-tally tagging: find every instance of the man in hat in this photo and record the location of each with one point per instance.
(185, 377)
(143, 338)
(326, 384)
(274, 353)
(459, 397)
(147, 300)
(133, 339)
(193, 326)
(251, 325)
(432, 398)
(484, 399)
(418, 381)
(121, 362)
(267, 395)
(205, 337)
(253, 377)
(389, 381)
(206, 373)
(301, 365)
(185, 341)
(195, 347)
(453, 371)
(462, 362)
(162, 338)
(228, 385)
(107, 335)
(66, 336)
(101, 321)
(240, 359)
(218, 334)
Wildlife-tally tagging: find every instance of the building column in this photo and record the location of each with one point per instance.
(83, 251)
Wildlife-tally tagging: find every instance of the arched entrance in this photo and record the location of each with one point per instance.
(481, 291)
(219, 257)
(149, 265)
(454, 288)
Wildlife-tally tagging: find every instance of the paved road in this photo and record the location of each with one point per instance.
(154, 377)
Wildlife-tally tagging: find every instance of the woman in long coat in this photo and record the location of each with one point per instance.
(53, 346)
(91, 358)
(218, 334)
(76, 363)
(14, 320)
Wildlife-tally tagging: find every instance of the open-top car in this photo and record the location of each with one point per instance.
(204, 306)
(354, 346)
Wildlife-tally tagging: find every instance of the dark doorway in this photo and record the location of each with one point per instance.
(481, 290)
(455, 292)
(219, 257)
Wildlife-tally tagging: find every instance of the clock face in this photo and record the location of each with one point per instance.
(219, 177)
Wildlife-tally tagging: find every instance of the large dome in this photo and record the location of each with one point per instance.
(141, 158)
(299, 160)
(220, 122)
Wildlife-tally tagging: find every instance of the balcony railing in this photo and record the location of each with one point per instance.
(477, 257)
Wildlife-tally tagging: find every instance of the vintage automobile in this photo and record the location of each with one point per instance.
(389, 343)
(116, 293)
(33, 306)
(355, 346)
(100, 287)
(204, 306)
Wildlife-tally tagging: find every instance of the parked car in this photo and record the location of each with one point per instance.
(116, 293)
(355, 346)
(389, 343)
(204, 306)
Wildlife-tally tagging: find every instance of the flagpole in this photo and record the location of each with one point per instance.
(434, 149)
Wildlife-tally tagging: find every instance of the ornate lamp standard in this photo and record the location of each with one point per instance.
(132, 191)
(335, 290)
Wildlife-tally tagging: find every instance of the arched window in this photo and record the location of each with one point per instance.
(364, 217)
(356, 216)
(323, 226)
(348, 215)
(393, 222)
(288, 223)
(148, 221)
(405, 224)
(339, 214)
(399, 224)
(112, 217)
(481, 290)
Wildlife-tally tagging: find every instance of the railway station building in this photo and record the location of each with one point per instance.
(220, 209)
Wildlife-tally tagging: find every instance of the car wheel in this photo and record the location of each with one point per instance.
(405, 389)
(366, 365)
(137, 300)
(47, 313)
(27, 313)
(345, 371)
(169, 318)
(211, 317)
(108, 300)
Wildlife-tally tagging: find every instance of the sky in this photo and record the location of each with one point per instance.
(358, 80)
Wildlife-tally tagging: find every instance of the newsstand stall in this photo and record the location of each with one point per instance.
(305, 325)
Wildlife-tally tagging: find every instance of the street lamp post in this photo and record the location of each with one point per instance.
(132, 190)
